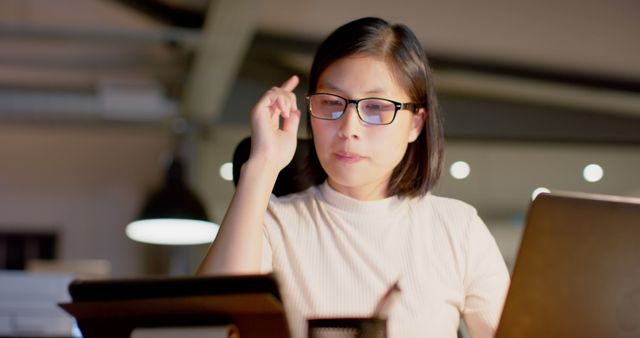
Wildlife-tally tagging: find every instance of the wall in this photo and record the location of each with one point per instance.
(86, 183)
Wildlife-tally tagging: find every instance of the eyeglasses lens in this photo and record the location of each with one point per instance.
(331, 107)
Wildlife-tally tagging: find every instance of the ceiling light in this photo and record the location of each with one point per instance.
(592, 173)
(459, 170)
(170, 231)
(538, 191)
(226, 171)
(173, 215)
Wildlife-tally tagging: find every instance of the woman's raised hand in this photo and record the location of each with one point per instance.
(237, 248)
(272, 143)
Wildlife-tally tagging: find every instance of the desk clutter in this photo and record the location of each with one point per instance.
(28, 305)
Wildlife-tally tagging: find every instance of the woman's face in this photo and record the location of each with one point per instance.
(359, 158)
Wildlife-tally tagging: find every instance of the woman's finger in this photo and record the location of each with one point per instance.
(291, 123)
(281, 106)
(291, 83)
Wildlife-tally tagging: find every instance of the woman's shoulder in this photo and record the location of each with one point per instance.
(446, 204)
(292, 208)
(447, 210)
(293, 200)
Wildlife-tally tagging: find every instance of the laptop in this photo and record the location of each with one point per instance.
(577, 273)
(181, 306)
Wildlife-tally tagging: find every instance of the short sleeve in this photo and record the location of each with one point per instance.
(486, 281)
(266, 265)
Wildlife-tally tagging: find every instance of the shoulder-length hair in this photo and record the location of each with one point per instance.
(420, 168)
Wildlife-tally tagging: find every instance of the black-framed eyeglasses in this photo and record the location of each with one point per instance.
(371, 110)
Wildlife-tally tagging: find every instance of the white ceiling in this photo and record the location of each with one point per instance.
(591, 36)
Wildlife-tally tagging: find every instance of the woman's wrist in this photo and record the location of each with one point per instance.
(260, 171)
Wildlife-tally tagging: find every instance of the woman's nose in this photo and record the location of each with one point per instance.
(350, 123)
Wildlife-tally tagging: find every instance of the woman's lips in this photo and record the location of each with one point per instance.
(348, 157)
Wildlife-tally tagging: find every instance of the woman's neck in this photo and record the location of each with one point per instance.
(369, 192)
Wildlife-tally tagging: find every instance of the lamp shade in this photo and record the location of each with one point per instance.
(173, 215)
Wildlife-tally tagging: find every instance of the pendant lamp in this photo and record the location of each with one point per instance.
(173, 215)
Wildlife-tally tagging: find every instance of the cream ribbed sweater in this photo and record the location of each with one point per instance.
(335, 256)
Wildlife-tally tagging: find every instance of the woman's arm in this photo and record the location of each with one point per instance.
(237, 248)
(486, 282)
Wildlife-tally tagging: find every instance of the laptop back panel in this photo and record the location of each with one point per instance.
(577, 273)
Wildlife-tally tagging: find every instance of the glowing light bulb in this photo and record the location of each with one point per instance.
(460, 170)
(592, 173)
(226, 171)
(538, 191)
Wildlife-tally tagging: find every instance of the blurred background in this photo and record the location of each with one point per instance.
(97, 95)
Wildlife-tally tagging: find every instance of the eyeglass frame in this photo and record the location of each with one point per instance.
(410, 106)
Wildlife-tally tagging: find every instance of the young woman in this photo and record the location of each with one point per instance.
(337, 247)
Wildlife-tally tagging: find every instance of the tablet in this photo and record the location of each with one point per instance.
(166, 287)
(115, 307)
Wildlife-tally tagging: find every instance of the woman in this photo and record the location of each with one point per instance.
(338, 246)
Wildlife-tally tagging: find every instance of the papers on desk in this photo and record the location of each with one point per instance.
(28, 304)
(227, 331)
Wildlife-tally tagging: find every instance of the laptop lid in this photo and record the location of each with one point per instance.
(577, 273)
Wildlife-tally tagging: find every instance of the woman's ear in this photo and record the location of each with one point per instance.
(417, 123)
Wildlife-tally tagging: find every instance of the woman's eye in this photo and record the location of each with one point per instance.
(331, 103)
(376, 107)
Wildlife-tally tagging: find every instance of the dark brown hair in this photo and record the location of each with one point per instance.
(419, 170)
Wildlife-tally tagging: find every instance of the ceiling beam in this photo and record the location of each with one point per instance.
(228, 30)
(170, 12)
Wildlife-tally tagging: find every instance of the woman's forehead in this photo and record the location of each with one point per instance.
(360, 76)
